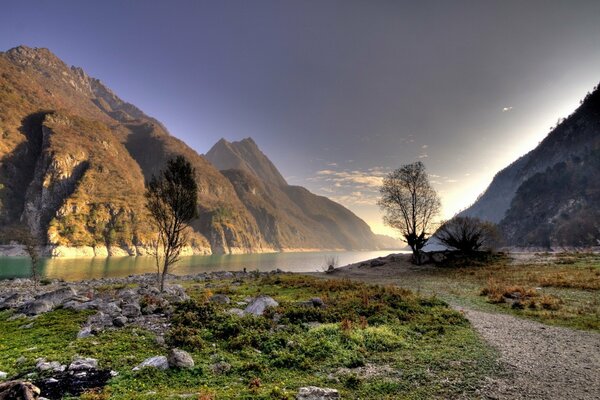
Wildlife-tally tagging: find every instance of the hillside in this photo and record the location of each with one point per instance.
(551, 196)
(74, 157)
(287, 215)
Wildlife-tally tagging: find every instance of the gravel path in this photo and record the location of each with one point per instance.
(544, 362)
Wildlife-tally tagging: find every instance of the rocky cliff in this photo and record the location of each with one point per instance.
(74, 157)
(550, 197)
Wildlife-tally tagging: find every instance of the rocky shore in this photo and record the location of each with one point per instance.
(115, 303)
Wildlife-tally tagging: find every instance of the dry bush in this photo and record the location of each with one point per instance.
(518, 296)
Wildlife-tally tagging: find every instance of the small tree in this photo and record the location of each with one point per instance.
(410, 203)
(468, 234)
(171, 199)
(30, 245)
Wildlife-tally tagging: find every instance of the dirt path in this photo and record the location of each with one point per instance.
(542, 362)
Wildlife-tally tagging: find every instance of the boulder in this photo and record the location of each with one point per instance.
(119, 321)
(260, 304)
(86, 331)
(131, 310)
(159, 362)
(221, 367)
(54, 366)
(111, 309)
(178, 358)
(219, 299)
(236, 311)
(317, 393)
(15, 300)
(18, 390)
(83, 364)
(36, 307)
(58, 296)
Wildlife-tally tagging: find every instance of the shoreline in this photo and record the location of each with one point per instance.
(89, 252)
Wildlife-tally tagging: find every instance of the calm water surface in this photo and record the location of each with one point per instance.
(73, 269)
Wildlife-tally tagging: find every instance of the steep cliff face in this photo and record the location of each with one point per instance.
(549, 197)
(74, 158)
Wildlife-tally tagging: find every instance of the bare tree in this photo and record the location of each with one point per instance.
(171, 199)
(410, 203)
(468, 234)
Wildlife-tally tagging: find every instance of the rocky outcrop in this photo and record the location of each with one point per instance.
(18, 390)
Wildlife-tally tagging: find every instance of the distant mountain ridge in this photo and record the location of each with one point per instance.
(74, 157)
(551, 196)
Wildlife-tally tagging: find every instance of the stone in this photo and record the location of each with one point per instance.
(3, 375)
(36, 307)
(86, 331)
(83, 364)
(15, 300)
(221, 367)
(119, 321)
(377, 263)
(58, 296)
(159, 362)
(260, 304)
(317, 302)
(13, 390)
(219, 299)
(111, 309)
(54, 366)
(317, 393)
(178, 358)
(131, 310)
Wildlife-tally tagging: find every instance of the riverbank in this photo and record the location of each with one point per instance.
(231, 335)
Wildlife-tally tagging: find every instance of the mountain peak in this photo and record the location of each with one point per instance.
(34, 55)
(247, 156)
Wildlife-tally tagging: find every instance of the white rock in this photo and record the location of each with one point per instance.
(159, 362)
(317, 393)
(83, 364)
(3, 375)
(260, 304)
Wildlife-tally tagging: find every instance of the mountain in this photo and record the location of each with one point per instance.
(288, 216)
(551, 196)
(74, 158)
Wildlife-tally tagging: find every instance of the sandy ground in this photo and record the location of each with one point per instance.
(543, 362)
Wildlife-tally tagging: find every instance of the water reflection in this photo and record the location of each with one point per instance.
(89, 268)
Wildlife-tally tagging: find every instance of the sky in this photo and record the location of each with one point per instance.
(337, 93)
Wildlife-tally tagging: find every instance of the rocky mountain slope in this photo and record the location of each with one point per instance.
(288, 216)
(551, 196)
(74, 156)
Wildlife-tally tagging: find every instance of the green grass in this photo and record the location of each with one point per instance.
(418, 347)
(572, 280)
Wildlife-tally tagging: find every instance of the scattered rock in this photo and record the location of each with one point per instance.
(317, 302)
(178, 358)
(36, 307)
(119, 321)
(221, 367)
(236, 311)
(86, 331)
(83, 364)
(260, 304)
(159, 362)
(132, 310)
(317, 393)
(54, 366)
(18, 390)
(219, 299)
(377, 263)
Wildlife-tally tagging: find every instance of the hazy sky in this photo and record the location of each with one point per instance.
(337, 93)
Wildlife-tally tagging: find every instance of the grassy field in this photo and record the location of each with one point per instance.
(369, 342)
(558, 289)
